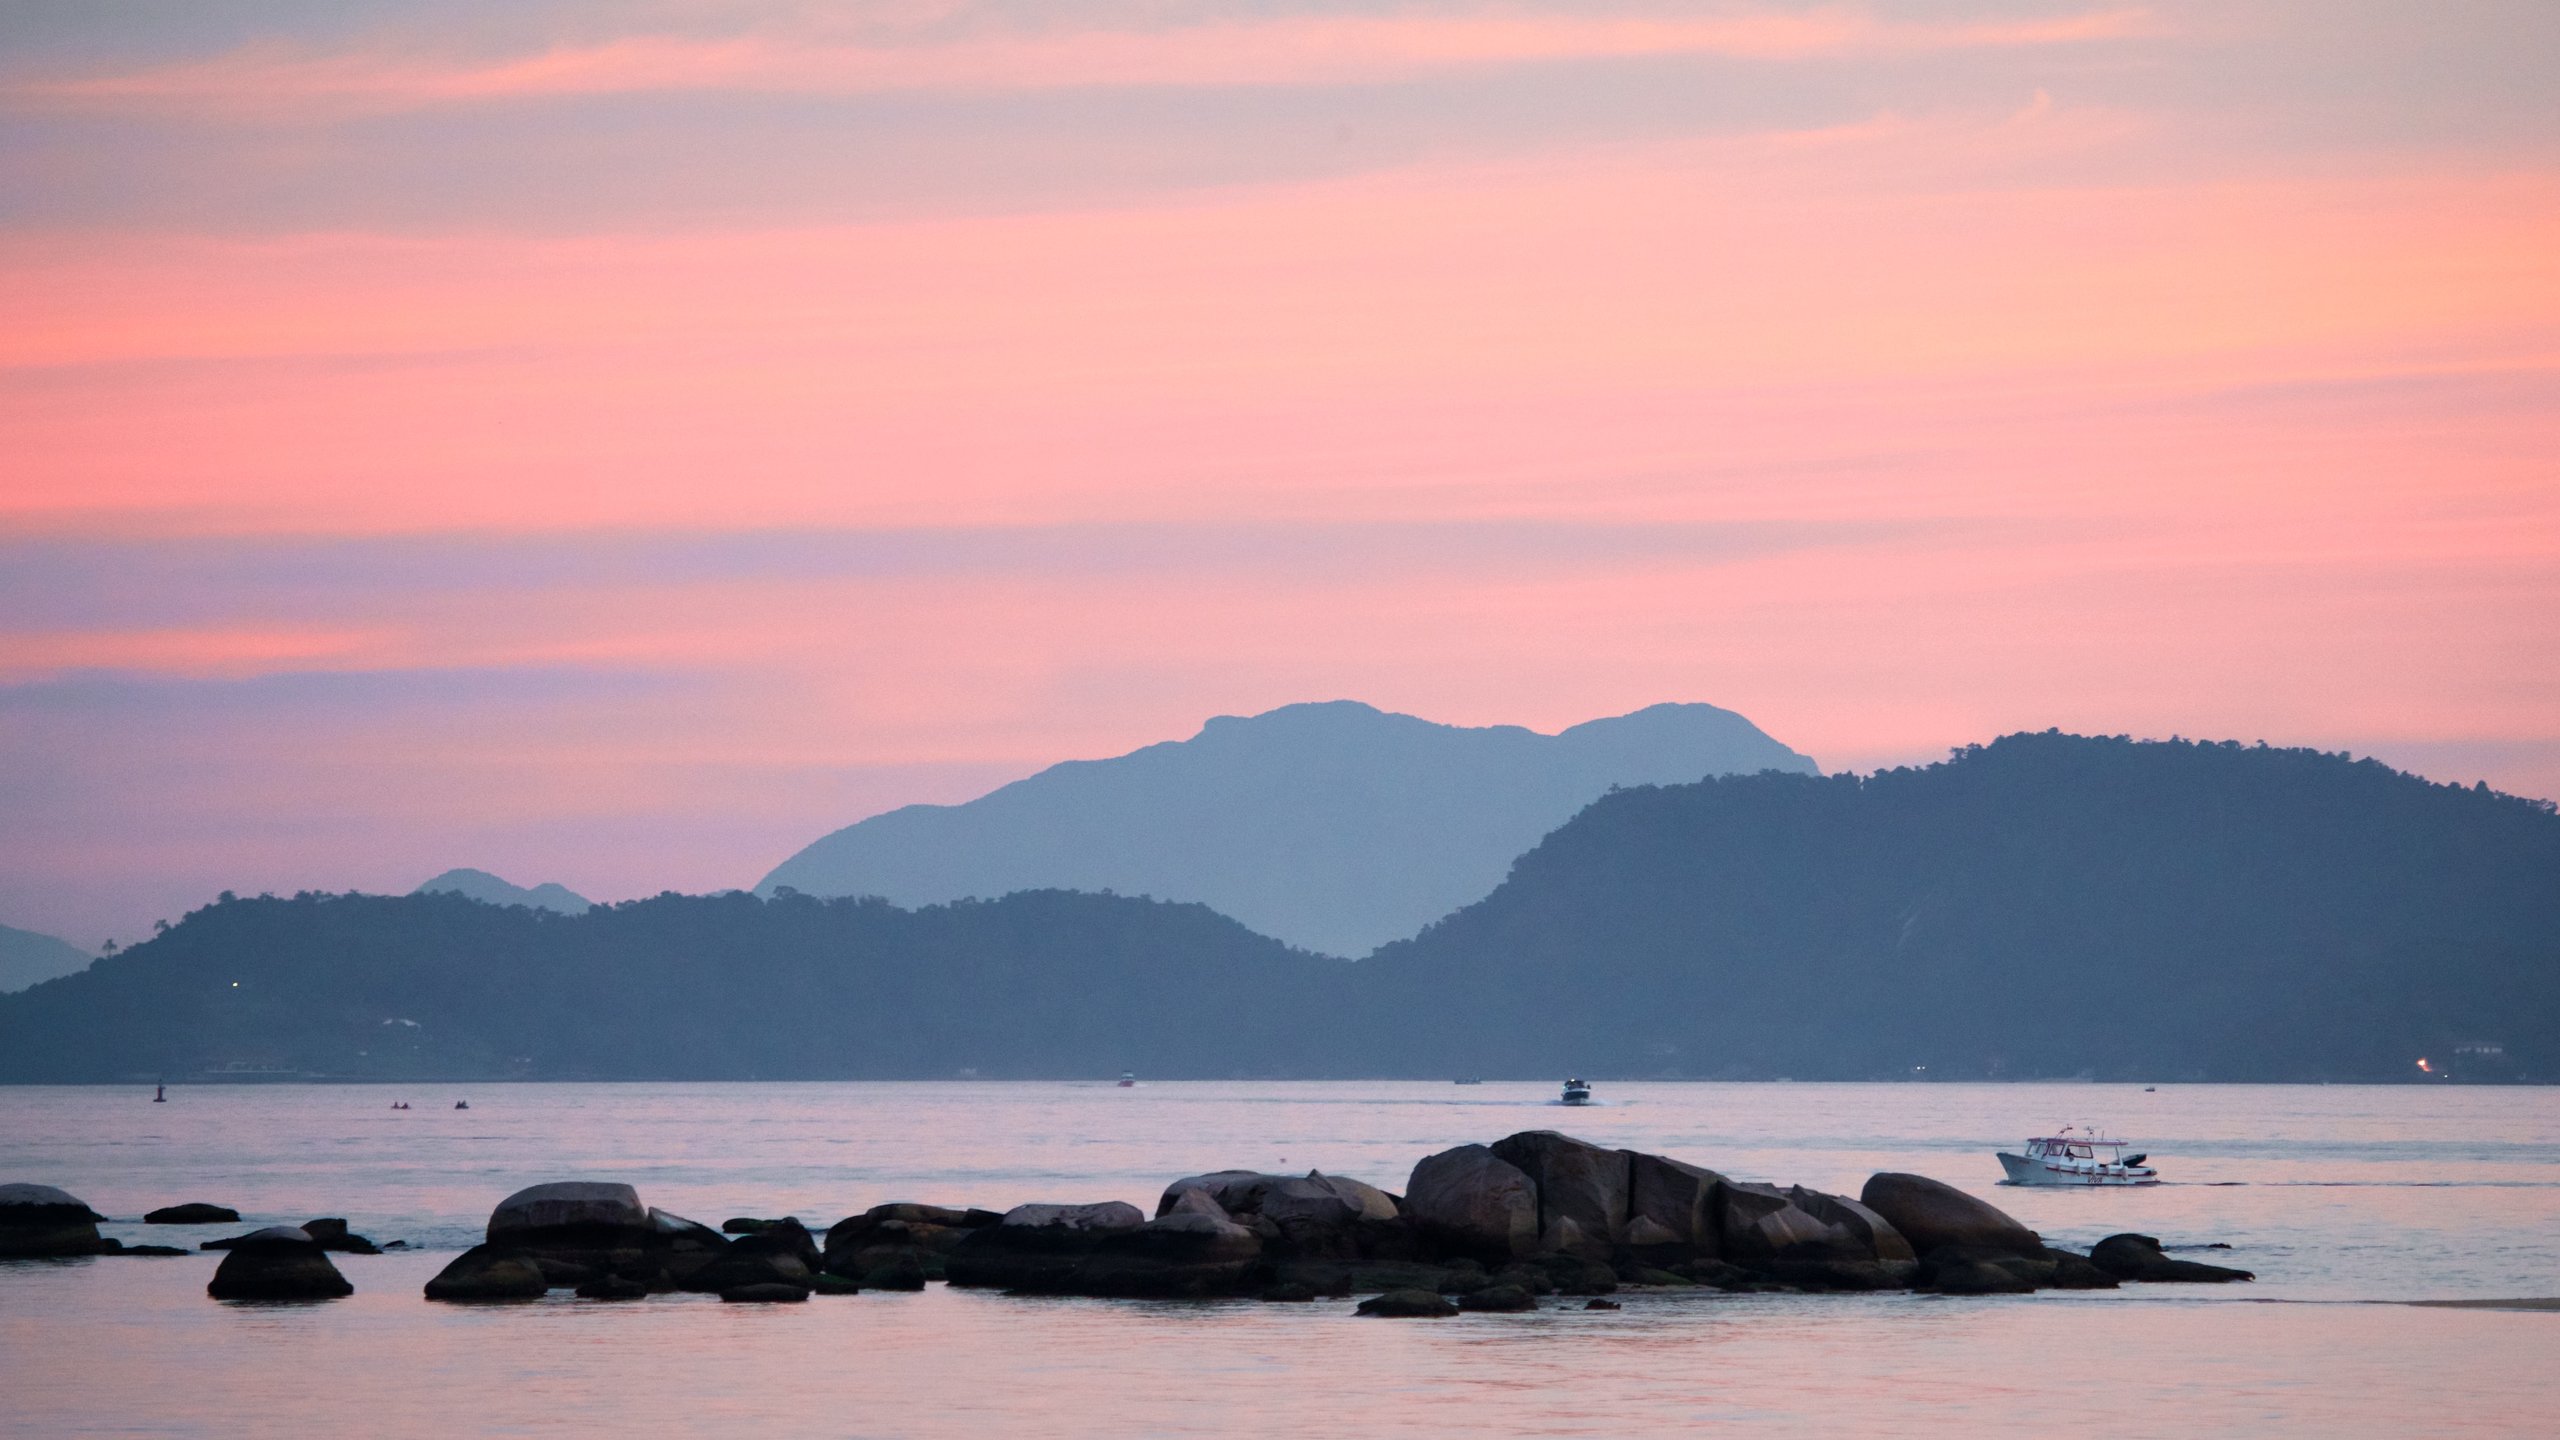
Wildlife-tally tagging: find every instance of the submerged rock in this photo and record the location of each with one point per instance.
(195, 1212)
(2138, 1257)
(489, 1272)
(765, 1295)
(1498, 1299)
(613, 1287)
(1407, 1305)
(39, 1220)
(280, 1262)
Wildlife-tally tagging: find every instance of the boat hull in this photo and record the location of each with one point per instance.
(2025, 1171)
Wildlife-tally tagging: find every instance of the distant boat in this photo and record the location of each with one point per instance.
(461, 1104)
(1468, 1080)
(1128, 1079)
(2077, 1156)
(1577, 1092)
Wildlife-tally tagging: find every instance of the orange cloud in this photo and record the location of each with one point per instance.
(1302, 50)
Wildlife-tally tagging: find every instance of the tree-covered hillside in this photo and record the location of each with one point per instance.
(2048, 905)
(707, 987)
(2044, 905)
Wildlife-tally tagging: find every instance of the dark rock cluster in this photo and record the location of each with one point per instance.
(1478, 1229)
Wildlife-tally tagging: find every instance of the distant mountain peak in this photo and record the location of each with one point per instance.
(28, 958)
(1333, 825)
(482, 886)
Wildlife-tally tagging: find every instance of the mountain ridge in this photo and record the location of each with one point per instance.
(1331, 825)
(29, 957)
(489, 889)
(2045, 906)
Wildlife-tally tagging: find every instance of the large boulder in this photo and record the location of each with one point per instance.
(41, 1220)
(571, 1215)
(888, 1241)
(1313, 1198)
(280, 1262)
(1671, 1206)
(1583, 1190)
(193, 1213)
(785, 1237)
(1473, 1201)
(332, 1234)
(1237, 1192)
(1037, 1247)
(489, 1272)
(1930, 1214)
(2139, 1257)
(782, 1253)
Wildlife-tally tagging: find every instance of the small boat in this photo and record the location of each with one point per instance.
(1577, 1092)
(461, 1104)
(1468, 1080)
(1128, 1079)
(2077, 1156)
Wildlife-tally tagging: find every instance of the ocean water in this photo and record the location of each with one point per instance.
(2349, 1202)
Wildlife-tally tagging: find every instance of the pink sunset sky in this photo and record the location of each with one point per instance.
(616, 444)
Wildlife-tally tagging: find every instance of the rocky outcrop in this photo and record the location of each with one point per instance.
(489, 1272)
(1672, 1207)
(1182, 1255)
(1313, 1199)
(1037, 1247)
(39, 1220)
(1473, 1202)
(890, 1240)
(779, 1254)
(193, 1213)
(1931, 1214)
(277, 1263)
(2139, 1257)
(1760, 1223)
(1583, 1190)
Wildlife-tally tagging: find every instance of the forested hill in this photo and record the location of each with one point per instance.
(683, 987)
(2044, 905)
(2047, 905)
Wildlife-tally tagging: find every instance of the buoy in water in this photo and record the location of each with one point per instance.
(159, 1094)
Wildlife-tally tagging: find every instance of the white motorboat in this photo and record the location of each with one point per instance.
(1577, 1092)
(2077, 1156)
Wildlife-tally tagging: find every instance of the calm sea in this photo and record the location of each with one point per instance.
(2347, 1201)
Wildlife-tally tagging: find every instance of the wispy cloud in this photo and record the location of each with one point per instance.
(274, 78)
